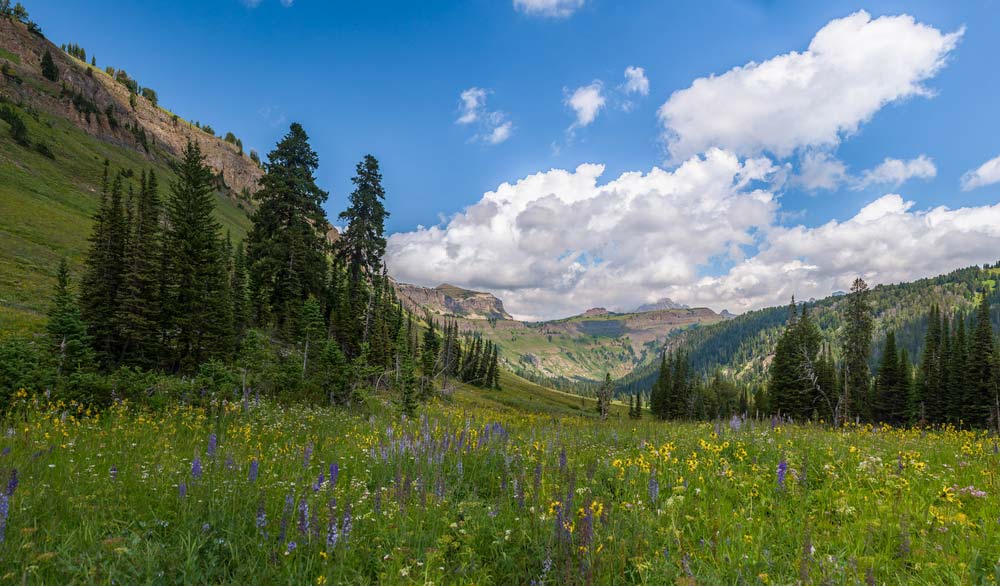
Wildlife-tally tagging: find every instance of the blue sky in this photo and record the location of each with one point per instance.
(386, 78)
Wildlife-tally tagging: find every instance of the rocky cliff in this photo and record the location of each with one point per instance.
(453, 301)
(102, 107)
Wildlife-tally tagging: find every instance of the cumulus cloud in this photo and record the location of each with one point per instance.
(887, 241)
(896, 172)
(986, 174)
(548, 8)
(852, 68)
(586, 102)
(820, 170)
(636, 81)
(557, 242)
(494, 126)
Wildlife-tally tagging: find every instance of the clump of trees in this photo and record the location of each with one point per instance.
(165, 296)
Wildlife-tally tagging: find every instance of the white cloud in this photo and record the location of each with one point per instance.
(636, 81)
(587, 102)
(500, 133)
(885, 242)
(473, 101)
(986, 174)
(548, 8)
(853, 67)
(820, 170)
(494, 127)
(557, 242)
(896, 172)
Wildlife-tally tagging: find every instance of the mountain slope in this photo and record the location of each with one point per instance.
(742, 346)
(46, 203)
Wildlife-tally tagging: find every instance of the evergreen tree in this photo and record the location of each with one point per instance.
(958, 371)
(333, 372)
(68, 337)
(240, 292)
(104, 278)
(199, 288)
(890, 397)
(856, 341)
(605, 394)
(313, 329)
(926, 404)
(429, 356)
(638, 405)
(406, 376)
(49, 69)
(140, 297)
(981, 389)
(659, 395)
(286, 252)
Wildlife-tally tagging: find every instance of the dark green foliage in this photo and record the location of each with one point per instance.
(122, 77)
(362, 245)
(49, 69)
(76, 51)
(140, 298)
(981, 392)
(406, 375)
(198, 291)
(891, 386)
(18, 131)
(240, 292)
(796, 372)
(856, 342)
(68, 338)
(429, 356)
(604, 396)
(104, 279)
(286, 251)
(150, 94)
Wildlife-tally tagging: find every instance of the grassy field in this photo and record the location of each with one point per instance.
(46, 208)
(484, 487)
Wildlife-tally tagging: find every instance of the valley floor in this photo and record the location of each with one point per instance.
(488, 487)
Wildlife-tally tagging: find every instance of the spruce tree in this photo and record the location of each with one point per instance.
(49, 69)
(68, 338)
(313, 330)
(140, 298)
(980, 397)
(104, 278)
(890, 398)
(429, 352)
(856, 339)
(240, 292)
(406, 376)
(199, 289)
(638, 405)
(926, 405)
(286, 250)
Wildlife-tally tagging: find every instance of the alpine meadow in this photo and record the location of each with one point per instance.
(533, 292)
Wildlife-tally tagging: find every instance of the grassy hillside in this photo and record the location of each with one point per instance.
(46, 207)
(521, 395)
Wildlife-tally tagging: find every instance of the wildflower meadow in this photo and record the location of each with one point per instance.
(474, 492)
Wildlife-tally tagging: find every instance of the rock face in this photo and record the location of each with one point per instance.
(166, 134)
(664, 303)
(596, 312)
(453, 301)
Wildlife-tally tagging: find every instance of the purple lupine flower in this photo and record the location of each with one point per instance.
(183, 489)
(230, 464)
(206, 527)
(345, 526)
(307, 454)
(303, 517)
(7, 450)
(261, 520)
(736, 423)
(290, 547)
(332, 534)
(654, 489)
(289, 505)
(562, 460)
(114, 472)
(12, 483)
(319, 482)
(334, 472)
(213, 443)
(4, 511)
(782, 470)
(252, 476)
(538, 481)
(519, 493)
(196, 468)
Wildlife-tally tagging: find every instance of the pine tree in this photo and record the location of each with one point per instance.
(333, 373)
(604, 395)
(199, 288)
(957, 372)
(890, 398)
(981, 389)
(638, 405)
(286, 250)
(49, 69)
(659, 395)
(240, 292)
(406, 376)
(68, 337)
(140, 297)
(104, 278)
(857, 341)
(313, 329)
(926, 405)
